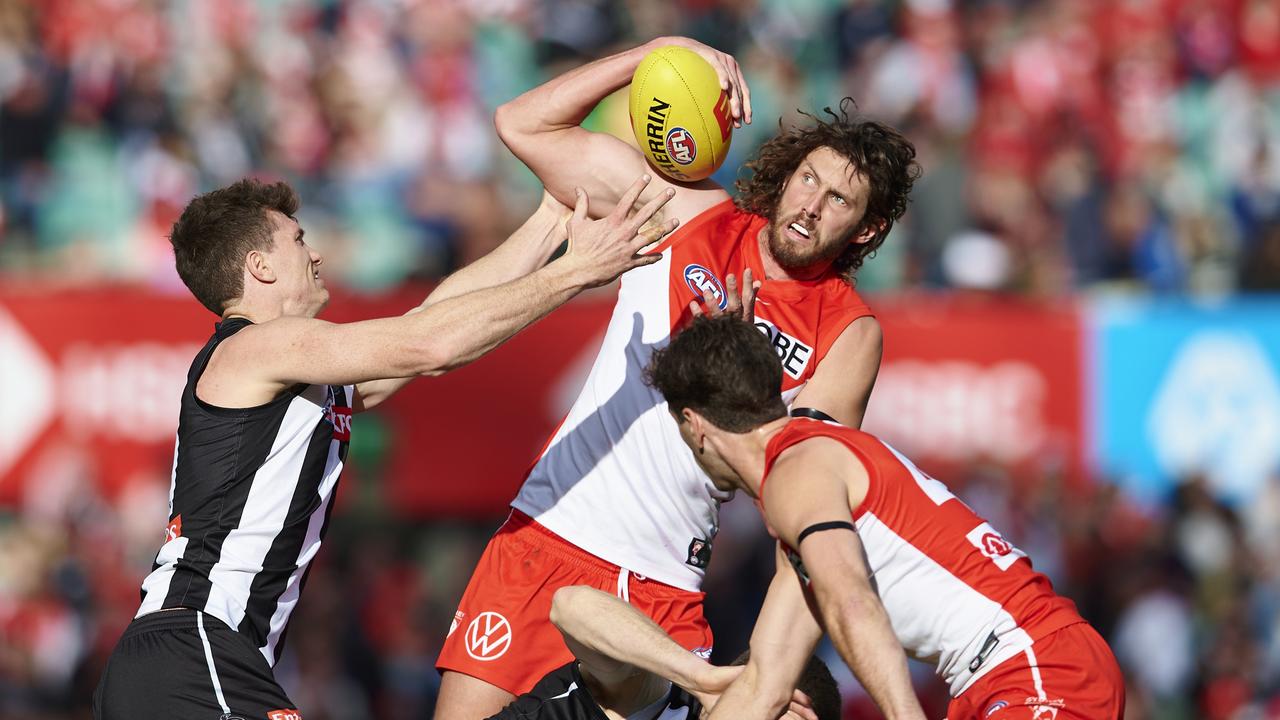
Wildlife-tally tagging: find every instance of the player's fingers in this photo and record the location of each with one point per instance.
(653, 235)
(746, 96)
(628, 200)
(650, 208)
(644, 259)
(752, 288)
(695, 308)
(800, 712)
(579, 204)
(733, 300)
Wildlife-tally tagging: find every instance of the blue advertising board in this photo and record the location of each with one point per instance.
(1180, 388)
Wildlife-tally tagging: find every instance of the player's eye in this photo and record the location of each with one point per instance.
(839, 200)
(808, 179)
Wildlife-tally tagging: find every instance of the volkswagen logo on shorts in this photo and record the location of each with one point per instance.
(488, 636)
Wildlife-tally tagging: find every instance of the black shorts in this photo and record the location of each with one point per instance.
(188, 664)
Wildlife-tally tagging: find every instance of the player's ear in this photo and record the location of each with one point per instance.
(259, 266)
(697, 429)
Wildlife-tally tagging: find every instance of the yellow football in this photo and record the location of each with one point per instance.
(679, 114)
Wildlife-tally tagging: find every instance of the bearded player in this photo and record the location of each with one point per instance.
(614, 500)
(877, 553)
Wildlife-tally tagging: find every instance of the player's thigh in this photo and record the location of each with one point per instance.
(463, 697)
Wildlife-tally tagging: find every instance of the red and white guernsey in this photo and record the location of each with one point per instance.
(615, 479)
(957, 593)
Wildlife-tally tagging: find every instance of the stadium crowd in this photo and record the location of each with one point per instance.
(1067, 145)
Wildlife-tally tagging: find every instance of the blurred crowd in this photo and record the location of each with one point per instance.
(1114, 145)
(1066, 143)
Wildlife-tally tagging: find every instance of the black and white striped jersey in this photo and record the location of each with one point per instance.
(249, 502)
(562, 695)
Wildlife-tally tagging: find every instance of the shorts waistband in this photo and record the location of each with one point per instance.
(171, 619)
(520, 523)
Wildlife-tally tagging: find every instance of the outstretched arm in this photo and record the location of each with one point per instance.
(264, 359)
(526, 250)
(613, 641)
(841, 386)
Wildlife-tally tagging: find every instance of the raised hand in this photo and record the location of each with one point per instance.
(603, 249)
(739, 304)
(730, 74)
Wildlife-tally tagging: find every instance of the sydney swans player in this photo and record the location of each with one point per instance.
(265, 421)
(882, 555)
(614, 500)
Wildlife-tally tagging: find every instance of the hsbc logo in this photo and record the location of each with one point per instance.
(680, 146)
(488, 637)
(793, 354)
(993, 546)
(703, 282)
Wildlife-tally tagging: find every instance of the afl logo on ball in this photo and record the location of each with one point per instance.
(705, 284)
(680, 146)
(488, 636)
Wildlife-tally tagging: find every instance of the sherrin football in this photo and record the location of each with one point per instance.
(679, 114)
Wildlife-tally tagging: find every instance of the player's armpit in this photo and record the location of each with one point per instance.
(841, 385)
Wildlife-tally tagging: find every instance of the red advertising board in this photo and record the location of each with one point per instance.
(93, 377)
(979, 379)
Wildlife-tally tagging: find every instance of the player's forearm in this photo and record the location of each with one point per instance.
(566, 100)
(608, 626)
(456, 331)
(860, 630)
(748, 698)
(526, 250)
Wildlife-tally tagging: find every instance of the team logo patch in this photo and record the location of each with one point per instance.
(997, 705)
(1045, 709)
(488, 636)
(703, 652)
(288, 714)
(704, 283)
(699, 553)
(174, 529)
(992, 545)
(680, 146)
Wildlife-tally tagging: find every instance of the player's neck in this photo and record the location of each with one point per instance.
(745, 453)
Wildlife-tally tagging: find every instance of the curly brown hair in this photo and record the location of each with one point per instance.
(217, 229)
(880, 153)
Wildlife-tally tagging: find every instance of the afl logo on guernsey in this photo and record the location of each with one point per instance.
(705, 284)
(680, 146)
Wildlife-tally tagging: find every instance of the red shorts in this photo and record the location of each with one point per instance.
(1069, 674)
(502, 633)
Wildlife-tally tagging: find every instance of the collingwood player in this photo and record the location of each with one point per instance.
(266, 417)
(626, 666)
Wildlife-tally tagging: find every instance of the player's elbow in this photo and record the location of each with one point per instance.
(514, 124)
(565, 604)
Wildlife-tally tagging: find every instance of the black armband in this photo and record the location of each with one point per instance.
(819, 527)
(813, 413)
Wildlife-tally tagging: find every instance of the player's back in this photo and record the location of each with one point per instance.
(957, 593)
(615, 479)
